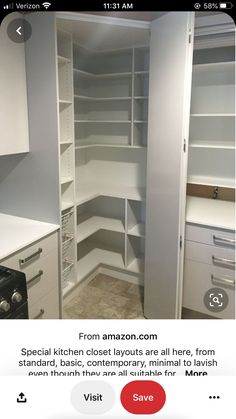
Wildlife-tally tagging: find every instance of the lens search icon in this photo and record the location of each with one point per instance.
(216, 299)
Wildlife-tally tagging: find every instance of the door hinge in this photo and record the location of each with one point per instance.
(180, 242)
(184, 146)
(190, 37)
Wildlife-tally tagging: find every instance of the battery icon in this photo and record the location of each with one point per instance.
(226, 5)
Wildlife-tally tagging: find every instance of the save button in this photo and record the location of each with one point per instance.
(143, 397)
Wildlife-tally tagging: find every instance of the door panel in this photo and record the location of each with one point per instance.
(168, 121)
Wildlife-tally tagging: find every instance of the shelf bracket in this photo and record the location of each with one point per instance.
(180, 242)
(184, 146)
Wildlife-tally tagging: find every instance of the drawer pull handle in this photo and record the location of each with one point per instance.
(224, 240)
(223, 261)
(38, 275)
(222, 281)
(40, 314)
(24, 261)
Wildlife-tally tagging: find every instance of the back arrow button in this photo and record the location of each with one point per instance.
(18, 30)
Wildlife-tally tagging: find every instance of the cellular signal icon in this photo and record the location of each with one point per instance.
(9, 6)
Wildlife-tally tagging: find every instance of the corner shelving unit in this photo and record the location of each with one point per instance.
(102, 105)
(110, 157)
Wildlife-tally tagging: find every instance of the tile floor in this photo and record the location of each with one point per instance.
(110, 298)
(106, 298)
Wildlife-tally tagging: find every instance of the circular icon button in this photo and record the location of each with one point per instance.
(93, 397)
(19, 30)
(143, 397)
(216, 299)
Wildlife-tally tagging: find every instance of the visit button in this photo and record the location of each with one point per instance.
(143, 397)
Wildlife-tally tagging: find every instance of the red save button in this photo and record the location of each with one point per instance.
(143, 397)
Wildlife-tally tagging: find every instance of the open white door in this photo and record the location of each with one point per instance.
(171, 49)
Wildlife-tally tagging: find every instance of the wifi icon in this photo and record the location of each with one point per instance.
(46, 4)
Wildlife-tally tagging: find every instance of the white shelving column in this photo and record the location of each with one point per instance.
(212, 122)
(66, 163)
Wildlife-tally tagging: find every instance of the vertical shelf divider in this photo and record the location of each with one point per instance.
(132, 98)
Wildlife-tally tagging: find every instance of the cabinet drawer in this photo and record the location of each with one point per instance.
(214, 237)
(198, 279)
(45, 308)
(213, 255)
(29, 255)
(42, 277)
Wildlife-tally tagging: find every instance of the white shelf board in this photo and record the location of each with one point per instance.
(67, 288)
(65, 143)
(226, 145)
(95, 223)
(107, 258)
(138, 230)
(212, 181)
(202, 115)
(140, 122)
(214, 67)
(210, 212)
(66, 205)
(66, 179)
(64, 102)
(136, 266)
(101, 121)
(141, 73)
(101, 76)
(102, 99)
(89, 145)
(141, 97)
(87, 192)
(97, 257)
(62, 60)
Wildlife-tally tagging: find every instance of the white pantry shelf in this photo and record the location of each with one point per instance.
(141, 73)
(94, 223)
(87, 192)
(138, 230)
(66, 143)
(66, 205)
(210, 212)
(226, 66)
(214, 115)
(64, 102)
(212, 181)
(102, 99)
(89, 145)
(66, 179)
(101, 76)
(96, 257)
(101, 121)
(227, 145)
(109, 258)
(62, 60)
(136, 266)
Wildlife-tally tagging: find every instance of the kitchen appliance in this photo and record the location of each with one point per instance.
(13, 294)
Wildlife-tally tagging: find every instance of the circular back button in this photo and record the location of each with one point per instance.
(143, 397)
(19, 30)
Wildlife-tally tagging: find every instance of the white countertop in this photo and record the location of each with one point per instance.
(210, 212)
(17, 233)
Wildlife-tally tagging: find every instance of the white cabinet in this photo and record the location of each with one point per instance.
(13, 97)
(40, 264)
(209, 263)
